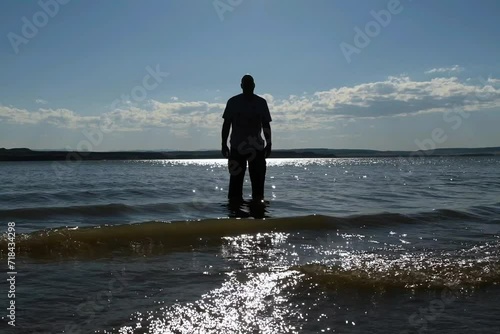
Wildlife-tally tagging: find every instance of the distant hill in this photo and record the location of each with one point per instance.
(25, 154)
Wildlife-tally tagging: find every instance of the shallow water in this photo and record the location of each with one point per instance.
(347, 245)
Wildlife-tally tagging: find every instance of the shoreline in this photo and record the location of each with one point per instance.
(24, 154)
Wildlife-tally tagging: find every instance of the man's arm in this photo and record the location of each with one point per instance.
(228, 116)
(266, 127)
(226, 126)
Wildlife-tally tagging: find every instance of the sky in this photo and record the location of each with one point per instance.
(150, 75)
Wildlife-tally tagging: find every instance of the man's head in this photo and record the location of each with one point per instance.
(247, 84)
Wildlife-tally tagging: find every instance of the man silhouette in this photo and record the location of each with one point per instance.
(247, 116)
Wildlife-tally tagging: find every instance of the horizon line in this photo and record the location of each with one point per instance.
(274, 149)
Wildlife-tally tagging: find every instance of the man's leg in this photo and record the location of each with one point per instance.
(257, 170)
(237, 165)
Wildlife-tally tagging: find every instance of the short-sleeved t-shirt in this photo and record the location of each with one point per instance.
(246, 116)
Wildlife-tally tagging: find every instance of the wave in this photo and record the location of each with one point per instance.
(96, 210)
(150, 237)
(474, 267)
(158, 236)
(118, 209)
(49, 212)
(374, 270)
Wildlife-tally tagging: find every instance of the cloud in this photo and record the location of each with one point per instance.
(174, 115)
(40, 101)
(62, 118)
(396, 96)
(446, 70)
(402, 95)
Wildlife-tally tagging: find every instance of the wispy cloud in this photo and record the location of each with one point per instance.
(40, 101)
(446, 70)
(62, 118)
(396, 96)
(174, 115)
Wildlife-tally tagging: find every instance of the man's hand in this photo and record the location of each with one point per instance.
(267, 150)
(225, 151)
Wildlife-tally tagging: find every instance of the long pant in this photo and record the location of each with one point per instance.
(237, 165)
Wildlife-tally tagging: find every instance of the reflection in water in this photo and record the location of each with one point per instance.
(255, 304)
(300, 282)
(247, 209)
(256, 296)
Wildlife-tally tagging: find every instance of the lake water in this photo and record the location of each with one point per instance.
(371, 245)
